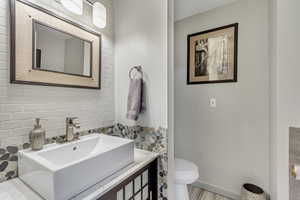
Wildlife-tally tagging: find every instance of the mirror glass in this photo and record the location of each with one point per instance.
(60, 52)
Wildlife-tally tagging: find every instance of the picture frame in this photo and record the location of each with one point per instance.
(26, 66)
(212, 55)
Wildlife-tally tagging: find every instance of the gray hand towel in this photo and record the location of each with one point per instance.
(135, 103)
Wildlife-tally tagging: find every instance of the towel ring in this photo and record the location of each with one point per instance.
(138, 69)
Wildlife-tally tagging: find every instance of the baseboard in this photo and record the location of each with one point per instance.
(217, 190)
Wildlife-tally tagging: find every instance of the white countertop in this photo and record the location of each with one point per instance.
(15, 189)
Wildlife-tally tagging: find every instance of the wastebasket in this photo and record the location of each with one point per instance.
(252, 192)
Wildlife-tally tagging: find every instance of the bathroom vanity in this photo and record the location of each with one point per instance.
(140, 186)
(54, 172)
(137, 181)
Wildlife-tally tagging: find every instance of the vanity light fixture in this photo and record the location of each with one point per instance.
(99, 15)
(75, 6)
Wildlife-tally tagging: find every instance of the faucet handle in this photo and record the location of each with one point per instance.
(70, 120)
(77, 125)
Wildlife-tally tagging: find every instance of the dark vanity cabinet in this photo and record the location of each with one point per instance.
(140, 186)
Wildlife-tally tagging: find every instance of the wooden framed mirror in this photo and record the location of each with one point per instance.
(47, 49)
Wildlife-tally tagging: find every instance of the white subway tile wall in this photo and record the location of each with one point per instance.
(20, 104)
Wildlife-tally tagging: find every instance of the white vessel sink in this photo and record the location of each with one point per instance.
(60, 171)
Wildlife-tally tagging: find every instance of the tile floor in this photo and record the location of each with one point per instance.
(200, 194)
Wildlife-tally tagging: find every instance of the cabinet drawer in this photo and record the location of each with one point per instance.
(140, 186)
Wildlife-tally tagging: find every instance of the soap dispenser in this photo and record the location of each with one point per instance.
(37, 136)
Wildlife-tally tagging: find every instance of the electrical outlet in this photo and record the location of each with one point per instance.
(213, 103)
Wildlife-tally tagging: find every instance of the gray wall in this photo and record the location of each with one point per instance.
(229, 143)
(141, 39)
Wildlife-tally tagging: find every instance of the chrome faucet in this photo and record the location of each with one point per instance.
(70, 126)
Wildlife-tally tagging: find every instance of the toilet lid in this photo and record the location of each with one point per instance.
(186, 172)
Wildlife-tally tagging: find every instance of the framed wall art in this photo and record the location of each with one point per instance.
(212, 55)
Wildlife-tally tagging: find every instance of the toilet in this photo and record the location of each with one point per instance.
(186, 173)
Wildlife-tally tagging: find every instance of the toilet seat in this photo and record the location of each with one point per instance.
(186, 172)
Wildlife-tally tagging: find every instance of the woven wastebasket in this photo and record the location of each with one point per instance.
(252, 192)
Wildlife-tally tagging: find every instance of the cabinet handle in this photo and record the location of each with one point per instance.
(150, 195)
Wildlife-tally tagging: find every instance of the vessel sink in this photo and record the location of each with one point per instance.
(61, 171)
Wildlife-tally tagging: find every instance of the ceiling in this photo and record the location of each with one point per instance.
(186, 8)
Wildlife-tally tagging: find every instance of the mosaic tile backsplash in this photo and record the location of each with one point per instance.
(145, 138)
(149, 139)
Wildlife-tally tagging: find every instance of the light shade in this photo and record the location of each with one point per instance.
(75, 6)
(99, 15)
